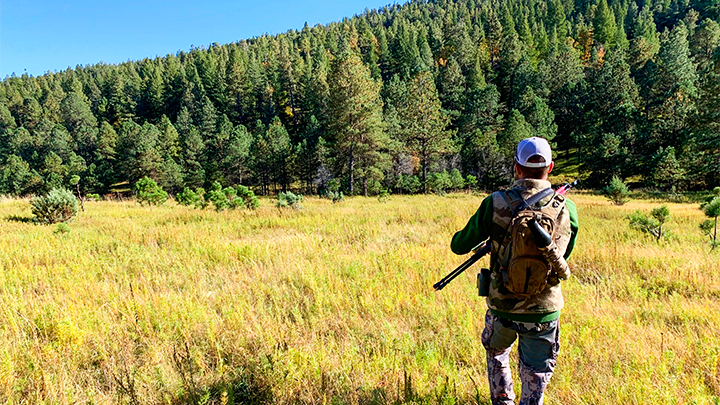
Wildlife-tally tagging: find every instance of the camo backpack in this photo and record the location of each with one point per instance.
(523, 269)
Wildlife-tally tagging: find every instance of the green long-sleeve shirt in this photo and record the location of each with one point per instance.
(478, 228)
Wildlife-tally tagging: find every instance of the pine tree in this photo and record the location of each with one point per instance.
(537, 113)
(451, 89)
(673, 92)
(355, 115)
(81, 124)
(605, 26)
(516, 129)
(422, 124)
(281, 154)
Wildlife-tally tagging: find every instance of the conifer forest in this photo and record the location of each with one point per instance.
(392, 99)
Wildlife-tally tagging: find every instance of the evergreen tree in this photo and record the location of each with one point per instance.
(356, 116)
(605, 26)
(671, 96)
(422, 124)
(81, 123)
(451, 89)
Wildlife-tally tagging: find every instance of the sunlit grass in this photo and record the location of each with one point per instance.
(334, 303)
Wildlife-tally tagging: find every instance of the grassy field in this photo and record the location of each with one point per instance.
(334, 304)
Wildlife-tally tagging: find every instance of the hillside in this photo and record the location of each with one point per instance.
(437, 86)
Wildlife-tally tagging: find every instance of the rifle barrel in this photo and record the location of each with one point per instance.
(469, 262)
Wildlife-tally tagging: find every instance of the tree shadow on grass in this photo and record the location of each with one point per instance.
(18, 218)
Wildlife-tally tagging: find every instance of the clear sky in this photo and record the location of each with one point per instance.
(37, 36)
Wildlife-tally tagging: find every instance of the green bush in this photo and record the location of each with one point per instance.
(335, 196)
(62, 229)
(617, 191)
(456, 180)
(148, 192)
(471, 181)
(188, 197)
(710, 227)
(652, 224)
(216, 195)
(220, 198)
(409, 184)
(289, 200)
(384, 196)
(58, 205)
(248, 198)
(439, 183)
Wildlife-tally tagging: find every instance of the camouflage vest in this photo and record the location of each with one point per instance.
(543, 296)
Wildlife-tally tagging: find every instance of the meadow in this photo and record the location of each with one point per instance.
(333, 304)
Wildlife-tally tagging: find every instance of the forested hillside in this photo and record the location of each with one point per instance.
(387, 100)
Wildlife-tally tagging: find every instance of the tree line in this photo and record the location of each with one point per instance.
(387, 99)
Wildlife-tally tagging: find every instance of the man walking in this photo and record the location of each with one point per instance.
(521, 304)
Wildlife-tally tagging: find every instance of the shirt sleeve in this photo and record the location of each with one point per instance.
(476, 231)
(574, 226)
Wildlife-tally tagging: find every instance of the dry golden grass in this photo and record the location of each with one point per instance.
(334, 304)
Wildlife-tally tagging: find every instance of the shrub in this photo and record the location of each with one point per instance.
(617, 191)
(62, 229)
(58, 205)
(93, 197)
(336, 197)
(289, 200)
(471, 181)
(188, 197)
(148, 192)
(709, 227)
(221, 198)
(439, 182)
(409, 184)
(248, 198)
(216, 195)
(456, 180)
(384, 196)
(652, 224)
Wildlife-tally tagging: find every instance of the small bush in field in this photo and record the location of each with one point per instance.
(652, 224)
(148, 192)
(220, 198)
(62, 229)
(617, 191)
(456, 180)
(58, 205)
(289, 200)
(248, 198)
(711, 208)
(384, 196)
(471, 181)
(335, 196)
(188, 198)
(217, 197)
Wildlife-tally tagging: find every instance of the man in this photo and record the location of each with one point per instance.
(533, 318)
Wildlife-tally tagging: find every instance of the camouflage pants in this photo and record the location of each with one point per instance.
(538, 348)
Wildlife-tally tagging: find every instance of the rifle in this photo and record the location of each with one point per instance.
(484, 249)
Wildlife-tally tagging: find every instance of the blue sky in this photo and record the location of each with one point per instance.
(37, 36)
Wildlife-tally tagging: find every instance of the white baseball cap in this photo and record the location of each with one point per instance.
(530, 147)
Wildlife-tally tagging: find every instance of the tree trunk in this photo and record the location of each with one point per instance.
(365, 186)
(82, 200)
(351, 166)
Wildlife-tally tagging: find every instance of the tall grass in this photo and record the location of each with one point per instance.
(333, 303)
